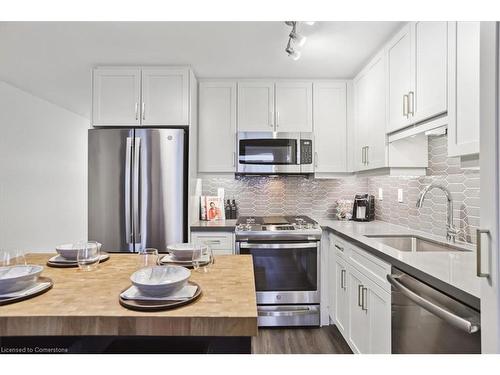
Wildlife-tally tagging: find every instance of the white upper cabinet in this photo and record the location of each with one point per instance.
(399, 56)
(256, 106)
(165, 96)
(463, 103)
(134, 96)
(294, 107)
(428, 97)
(417, 74)
(330, 126)
(370, 116)
(217, 126)
(116, 96)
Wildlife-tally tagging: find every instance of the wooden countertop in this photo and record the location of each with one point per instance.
(86, 303)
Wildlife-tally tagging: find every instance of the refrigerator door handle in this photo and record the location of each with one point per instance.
(135, 191)
(128, 198)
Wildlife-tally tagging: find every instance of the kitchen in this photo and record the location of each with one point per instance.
(342, 203)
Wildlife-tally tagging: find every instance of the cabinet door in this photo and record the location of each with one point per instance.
(359, 323)
(370, 116)
(217, 126)
(330, 127)
(165, 96)
(428, 97)
(256, 106)
(399, 57)
(294, 107)
(463, 104)
(378, 308)
(341, 294)
(116, 96)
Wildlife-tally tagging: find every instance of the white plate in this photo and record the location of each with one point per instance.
(61, 260)
(185, 293)
(171, 258)
(15, 278)
(160, 280)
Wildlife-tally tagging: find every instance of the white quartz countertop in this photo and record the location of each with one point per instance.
(454, 268)
(214, 225)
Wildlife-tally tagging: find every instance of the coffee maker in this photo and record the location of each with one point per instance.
(363, 208)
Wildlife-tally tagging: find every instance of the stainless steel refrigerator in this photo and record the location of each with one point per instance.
(137, 186)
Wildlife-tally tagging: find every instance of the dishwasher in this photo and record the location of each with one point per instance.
(426, 321)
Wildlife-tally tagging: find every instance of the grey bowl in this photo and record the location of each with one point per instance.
(68, 252)
(160, 281)
(15, 278)
(183, 251)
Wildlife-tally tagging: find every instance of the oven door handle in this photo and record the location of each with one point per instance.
(291, 312)
(293, 245)
(455, 320)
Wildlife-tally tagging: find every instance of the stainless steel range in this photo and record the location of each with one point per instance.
(286, 255)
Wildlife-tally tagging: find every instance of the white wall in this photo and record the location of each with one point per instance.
(43, 172)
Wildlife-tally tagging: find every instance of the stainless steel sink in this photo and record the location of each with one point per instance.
(414, 243)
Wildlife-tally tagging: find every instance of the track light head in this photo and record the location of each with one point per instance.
(298, 39)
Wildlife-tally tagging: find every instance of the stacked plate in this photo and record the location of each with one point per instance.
(182, 254)
(67, 256)
(20, 282)
(159, 288)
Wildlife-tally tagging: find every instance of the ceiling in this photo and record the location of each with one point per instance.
(53, 60)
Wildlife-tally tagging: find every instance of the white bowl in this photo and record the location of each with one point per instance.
(160, 280)
(183, 251)
(15, 278)
(68, 252)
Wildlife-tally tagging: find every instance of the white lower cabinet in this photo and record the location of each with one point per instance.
(221, 243)
(360, 301)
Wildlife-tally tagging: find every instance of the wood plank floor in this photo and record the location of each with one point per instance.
(324, 340)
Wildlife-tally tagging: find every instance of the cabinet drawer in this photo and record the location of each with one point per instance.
(371, 266)
(217, 241)
(339, 247)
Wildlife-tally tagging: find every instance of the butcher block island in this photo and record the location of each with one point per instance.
(82, 311)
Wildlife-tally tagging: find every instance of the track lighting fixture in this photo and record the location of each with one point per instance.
(295, 40)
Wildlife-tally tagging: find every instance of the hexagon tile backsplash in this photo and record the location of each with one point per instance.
(317, 198)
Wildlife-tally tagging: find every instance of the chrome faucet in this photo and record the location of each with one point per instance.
(451, 231)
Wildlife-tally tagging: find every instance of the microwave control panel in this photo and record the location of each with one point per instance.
(306, 152)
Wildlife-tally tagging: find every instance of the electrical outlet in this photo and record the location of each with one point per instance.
(400, 195)
(380, 194)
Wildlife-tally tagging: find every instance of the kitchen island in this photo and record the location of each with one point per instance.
(81, 313)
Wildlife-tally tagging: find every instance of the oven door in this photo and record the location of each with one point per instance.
(285, 272)
(268, 152)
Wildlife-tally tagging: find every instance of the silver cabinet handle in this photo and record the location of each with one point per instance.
(405, 105)
(366, 157)
(342, 279)
(234, 158)
(277, 118)
(339, 247)
(360, 297)
(479, 271)
(128, 198)
(455, 320)
(411, 103)
(136, 191)
(270, 119)
(315, 159)
(363, 155)
(136, 111)
(143, 111)
(364, 299)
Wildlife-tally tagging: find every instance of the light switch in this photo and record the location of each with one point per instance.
(400, 195)
(380, 194)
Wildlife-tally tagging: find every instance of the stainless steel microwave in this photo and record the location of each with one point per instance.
(275, 153)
